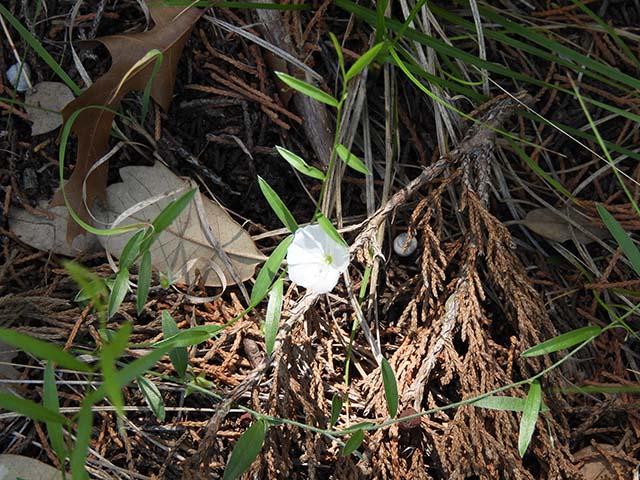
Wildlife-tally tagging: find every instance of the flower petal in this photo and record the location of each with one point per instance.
(315, 259)
(326, 282)
(340, 256)
(307, 274)
(296, 255)
(304, 248)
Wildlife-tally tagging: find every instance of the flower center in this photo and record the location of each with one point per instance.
(328, 259)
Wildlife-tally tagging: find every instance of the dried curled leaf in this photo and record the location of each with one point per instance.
(92, 127)
(44, 103)
(182, 249)
(18, 466)
(48, 231)
(596, 466)
(555, 224)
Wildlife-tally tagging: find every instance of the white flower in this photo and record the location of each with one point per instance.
(315, 259)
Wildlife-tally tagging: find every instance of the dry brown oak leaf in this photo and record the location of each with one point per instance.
(172, 27)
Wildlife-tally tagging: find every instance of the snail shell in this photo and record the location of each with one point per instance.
(403, 246)
(20, 84)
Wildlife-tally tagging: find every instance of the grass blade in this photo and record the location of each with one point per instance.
(246, 450)
(278, 206)
(90, 284)
(566, 340)
(307, 89)
(30, 409)
(131, 249)
(627, 246)
(144, 281)
(83, 437)
(330, 230)
(108, 356)
(508, 404)
(192, 336)
(40, 50)
(351, 160)
(364, 61)
(50, 401)
(128, 373)
(43, 350)
(178, 355)
(353, 443)
(338, 49)
(118, 292)
(172, 211)
(269, 271)
(390, 387)
(272, 318)
(152, 397)
(299, 164)
(336, 408)
(529, 417)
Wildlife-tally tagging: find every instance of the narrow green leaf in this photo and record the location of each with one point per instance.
(380, 23)
(50, 401)
(40, 50)
(353, 443)
(272, 318)
(87, 295)
(278, 206)
(62, 154)
(151, 54)
(131, 249)
(179, 355)
(364, 61)
(192, 336)
(118, 292)
(152, 397)
(30, 409)
(299, 164)
(91, 285)
(351, 160)
(42, 350)
(357, 426)
(309, 90)
(246, 450)
(390, 387)
(269, 271)
(144, 281)
(610, 31)
(604, 389)
(118, 341)
(336, 408)
(139, 366)
(83, 437)
(172, 211)
(561, 52)
(627, 246)
(329, 229)
(128, 373)
(529, 417)
(446, 50)
(509, 404)
(539, 170)
(108, 356)
(566, 340)
(231, 4)
(338, 49)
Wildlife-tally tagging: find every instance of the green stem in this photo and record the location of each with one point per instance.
(324, 209)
